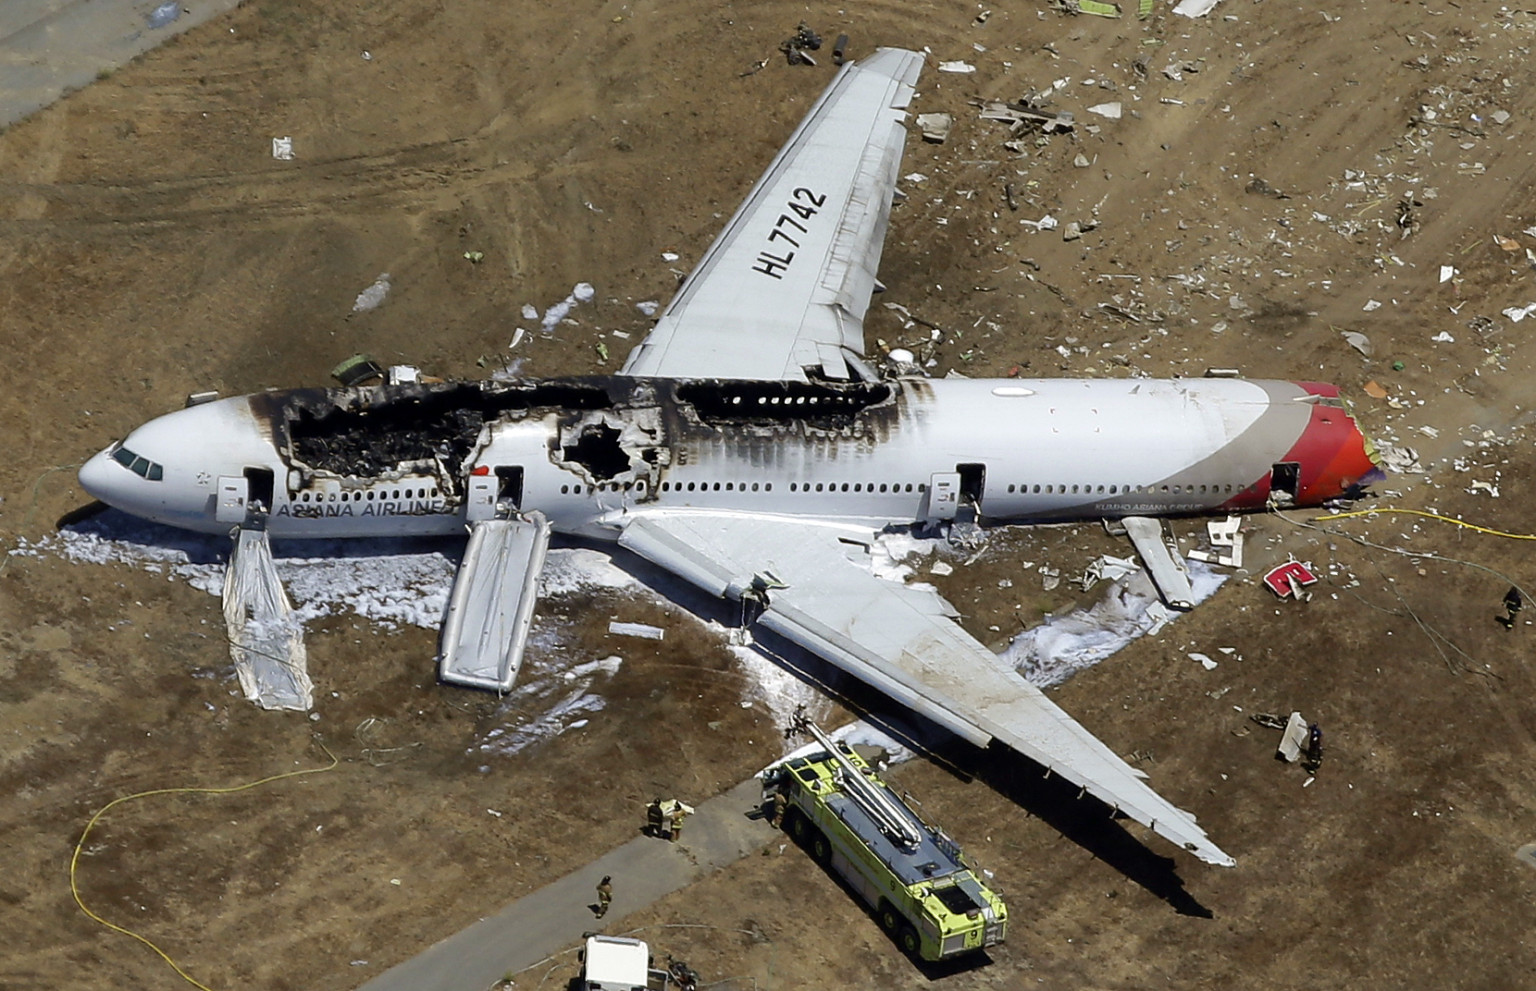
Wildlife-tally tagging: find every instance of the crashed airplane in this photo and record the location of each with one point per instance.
(747, 447)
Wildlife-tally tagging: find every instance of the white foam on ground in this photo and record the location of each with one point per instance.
(1060, 647)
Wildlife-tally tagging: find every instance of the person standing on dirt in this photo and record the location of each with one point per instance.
(604, 895)
(679, 813)
(653, 818)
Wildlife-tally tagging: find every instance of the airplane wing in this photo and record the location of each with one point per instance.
(785, 286)
(900, 640)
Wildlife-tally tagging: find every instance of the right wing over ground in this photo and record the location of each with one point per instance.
(900, 640)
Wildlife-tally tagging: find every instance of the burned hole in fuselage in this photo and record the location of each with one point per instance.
(364, 433)
(597, 450)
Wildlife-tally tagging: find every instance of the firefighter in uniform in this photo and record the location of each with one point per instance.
(604, 895)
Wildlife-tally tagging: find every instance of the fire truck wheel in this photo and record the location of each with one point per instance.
(908, 939)
(889, 920)
(821, 850)
(795, 824)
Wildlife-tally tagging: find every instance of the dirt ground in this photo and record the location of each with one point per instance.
(1280, 173)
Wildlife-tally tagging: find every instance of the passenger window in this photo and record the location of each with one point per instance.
(156, 473)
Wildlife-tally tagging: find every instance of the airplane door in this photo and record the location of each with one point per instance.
(943, 495)
(233, 491)
(480, 498)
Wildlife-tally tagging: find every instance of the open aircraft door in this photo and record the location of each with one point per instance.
(943, 495)
(480, 498)
(233, 493)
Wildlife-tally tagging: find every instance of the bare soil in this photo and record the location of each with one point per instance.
(1306, 163)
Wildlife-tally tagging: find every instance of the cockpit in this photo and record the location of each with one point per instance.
(138, 464)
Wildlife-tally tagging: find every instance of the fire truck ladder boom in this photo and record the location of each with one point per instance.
(880, 809)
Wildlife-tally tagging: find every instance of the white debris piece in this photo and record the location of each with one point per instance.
(581, 293)
(1447, 273)
(530, 312)
(637, 630)
(1110, 110)
(964, 68)
(282, 149)
(1359, 342)
(1195, 8)
(1371, 304)
(648, 307)
(1204, 659)
(1518, 313)
(1293, 739)
(370, 298)
(1444, 337)
(942, 568)
(935, 127)
(669, 256)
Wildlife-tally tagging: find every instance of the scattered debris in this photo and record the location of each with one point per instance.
(1204, 659)
(1359, 342)
(581, 293)
(1518, 313)
(1260, 187)
(474, 257)
(1289, 579)
(1223, 534)
(963, 68)
(1292, 739)
(164, 14)
(1447, 273)
(1027, 114)
(282, 149)
(642, 630)
(1444, 337)
(648, 307)
(935, 127)
(1374, 389)
(1195, 8)
(1111, 110)
(795, 46)
(840, 49)
(373, 296)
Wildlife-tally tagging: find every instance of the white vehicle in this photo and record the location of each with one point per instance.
(614, 963)
(748, 447)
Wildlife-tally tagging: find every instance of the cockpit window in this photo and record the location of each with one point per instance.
(139, 465)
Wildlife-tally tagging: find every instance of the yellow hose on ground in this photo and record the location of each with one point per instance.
(74, 860)
(1433, 516)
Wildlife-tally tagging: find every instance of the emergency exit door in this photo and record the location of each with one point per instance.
(943, 495)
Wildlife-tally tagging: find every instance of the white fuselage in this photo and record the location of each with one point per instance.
(403, 460)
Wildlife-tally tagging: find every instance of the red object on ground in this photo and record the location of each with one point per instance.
(1289, 579)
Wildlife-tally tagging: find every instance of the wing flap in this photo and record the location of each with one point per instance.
(787, 283)
(900, 641)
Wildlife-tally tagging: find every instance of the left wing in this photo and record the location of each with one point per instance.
(899, 640)
(785, 286)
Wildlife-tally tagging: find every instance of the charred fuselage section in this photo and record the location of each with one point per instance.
(603, 429)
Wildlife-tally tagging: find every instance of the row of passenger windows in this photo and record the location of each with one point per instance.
(1123, 489)
(139, 465)
(421, 493)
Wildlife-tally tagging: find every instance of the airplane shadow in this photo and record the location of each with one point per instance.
(1085, 821)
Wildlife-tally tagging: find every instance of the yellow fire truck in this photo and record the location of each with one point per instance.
(914, 877)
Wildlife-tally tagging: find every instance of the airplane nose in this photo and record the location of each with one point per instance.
(97, 476)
